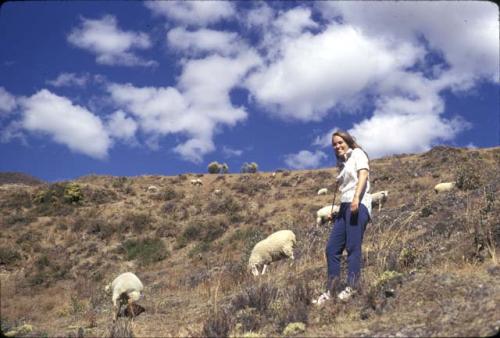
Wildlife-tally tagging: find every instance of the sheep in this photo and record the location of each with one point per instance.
(217, 192)
(323, 213)
(153, 189)
(322, 191)
(443, 187)
(276, 246)
(379, 197)
(196, 181)
(126, 288)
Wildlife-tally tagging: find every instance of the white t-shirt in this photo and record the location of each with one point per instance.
(348, 178)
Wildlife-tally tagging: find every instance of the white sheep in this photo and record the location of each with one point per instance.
(196, 181)
(153, 189)
(323, 213)
(126, 289)
(276, 246)
(322, 191)
(379, 197)
(443, 187)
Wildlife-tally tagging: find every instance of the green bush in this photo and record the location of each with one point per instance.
(146, 251)
(214, 167)
(467, 177)
(8, 256)
(249, 168)
(72, 193)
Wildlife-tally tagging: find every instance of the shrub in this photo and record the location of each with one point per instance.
(8, 256)
(225, 204)
(467, 177)
(137, 222)
(205, 230)
(72, 193)
(214, 167)
(147, 251)
(249, 168)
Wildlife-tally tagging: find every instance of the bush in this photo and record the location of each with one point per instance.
(467, 177)
(8, 256)
(249, 168)
(146, 251)
(214, 167)
(72, 193)
(137, 222)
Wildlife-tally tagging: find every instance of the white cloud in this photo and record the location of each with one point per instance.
(67, 124)
(204, 40)
(389, 134)
(466, 32)
(7, 102)
(318, 72)
(305, 159)
(197, 13)
(230, 152)
(111, 45)
(295, 21)
(69, 79)
(121, 126)
(197, 109)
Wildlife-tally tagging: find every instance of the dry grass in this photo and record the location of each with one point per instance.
(430, 261)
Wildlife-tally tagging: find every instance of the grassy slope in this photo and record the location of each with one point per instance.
(428, 257)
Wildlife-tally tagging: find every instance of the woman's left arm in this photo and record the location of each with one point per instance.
(360, 188)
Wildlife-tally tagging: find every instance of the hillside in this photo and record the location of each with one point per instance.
(430, 260)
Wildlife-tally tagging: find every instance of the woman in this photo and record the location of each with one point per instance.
(354, 214)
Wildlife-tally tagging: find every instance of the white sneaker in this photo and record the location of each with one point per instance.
(346, 294)
(323, 298)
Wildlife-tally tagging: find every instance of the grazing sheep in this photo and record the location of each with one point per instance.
(218, 192)
(379, 197)
(276, 246)
(443, 187)
(322, 191)
(126, 289)
(196, 181)
(323, 213)
(153, 189)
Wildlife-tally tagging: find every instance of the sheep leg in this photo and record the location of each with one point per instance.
(264, 269)
(131, 309)
(117, 309)
(379, 206)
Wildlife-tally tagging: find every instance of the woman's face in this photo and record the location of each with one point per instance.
(339, 145)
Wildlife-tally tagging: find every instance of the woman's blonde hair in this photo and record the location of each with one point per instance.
(350, 140)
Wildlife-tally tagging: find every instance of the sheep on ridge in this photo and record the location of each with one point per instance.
(443, 187)
(276, 246)
(126, 290)
(323, 213)
(322, 191)
(379, 197)
(196, 181)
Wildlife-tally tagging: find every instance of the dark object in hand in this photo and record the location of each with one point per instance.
(127, 311)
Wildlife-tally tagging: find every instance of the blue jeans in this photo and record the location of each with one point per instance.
(347, 233)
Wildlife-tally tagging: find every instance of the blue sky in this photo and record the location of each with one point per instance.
(165, 87)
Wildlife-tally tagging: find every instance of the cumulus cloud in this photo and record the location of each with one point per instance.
(69, 79)
(110, 44)
(196, 109)
(317, 72)
(204, 40)
(120, 126)
(66, 123)
(397, 133)
(196, 13)
(305, 159)
(7, 102)
(470, 48)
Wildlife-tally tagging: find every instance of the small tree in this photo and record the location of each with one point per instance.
(214, 167)
(249, 168)
(224, 168)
